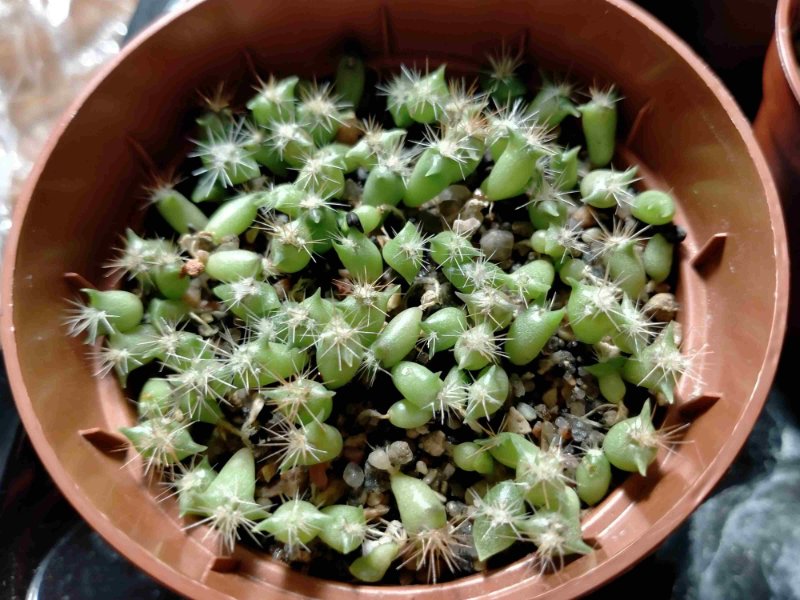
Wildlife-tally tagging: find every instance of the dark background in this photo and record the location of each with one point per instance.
(46, 551)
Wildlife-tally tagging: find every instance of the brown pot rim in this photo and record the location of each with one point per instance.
(622, 561)
(786, 19)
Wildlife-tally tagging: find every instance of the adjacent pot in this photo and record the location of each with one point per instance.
(682, 126)
(777, 128)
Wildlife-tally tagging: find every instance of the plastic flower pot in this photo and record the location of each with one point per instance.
(679, 123)
(777, 126)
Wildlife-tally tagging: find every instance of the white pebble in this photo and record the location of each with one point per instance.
(430, 476)
(527, 411)
(434, 443)
(353, 475)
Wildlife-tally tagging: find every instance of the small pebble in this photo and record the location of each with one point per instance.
(545, 364)
(263, 497)
(623, 212)
(522, 228)
(517, 386)
(268, 471)
(563, 358)
(434, 443)
(456, 509)
(565, 333)
(594, 439)
(352, 191)
(349, 132)
(550, 397)
(394, 302)
(497, 244)
(579, 430)
(473, 209)
(456, 193)
(376, 499)
(353, 475)
(662, 308)
(446, 211)
(466, 227)
(592, 234)
(448, 471)
(584, 216)
(516, 422)
(431, 476)
(528, 381)
(606, 351)
(527, 411)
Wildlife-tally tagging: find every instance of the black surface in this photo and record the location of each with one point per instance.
(9, 424)
(82, 565)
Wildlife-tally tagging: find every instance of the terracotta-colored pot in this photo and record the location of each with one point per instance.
(681, 125)
(777, 129)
